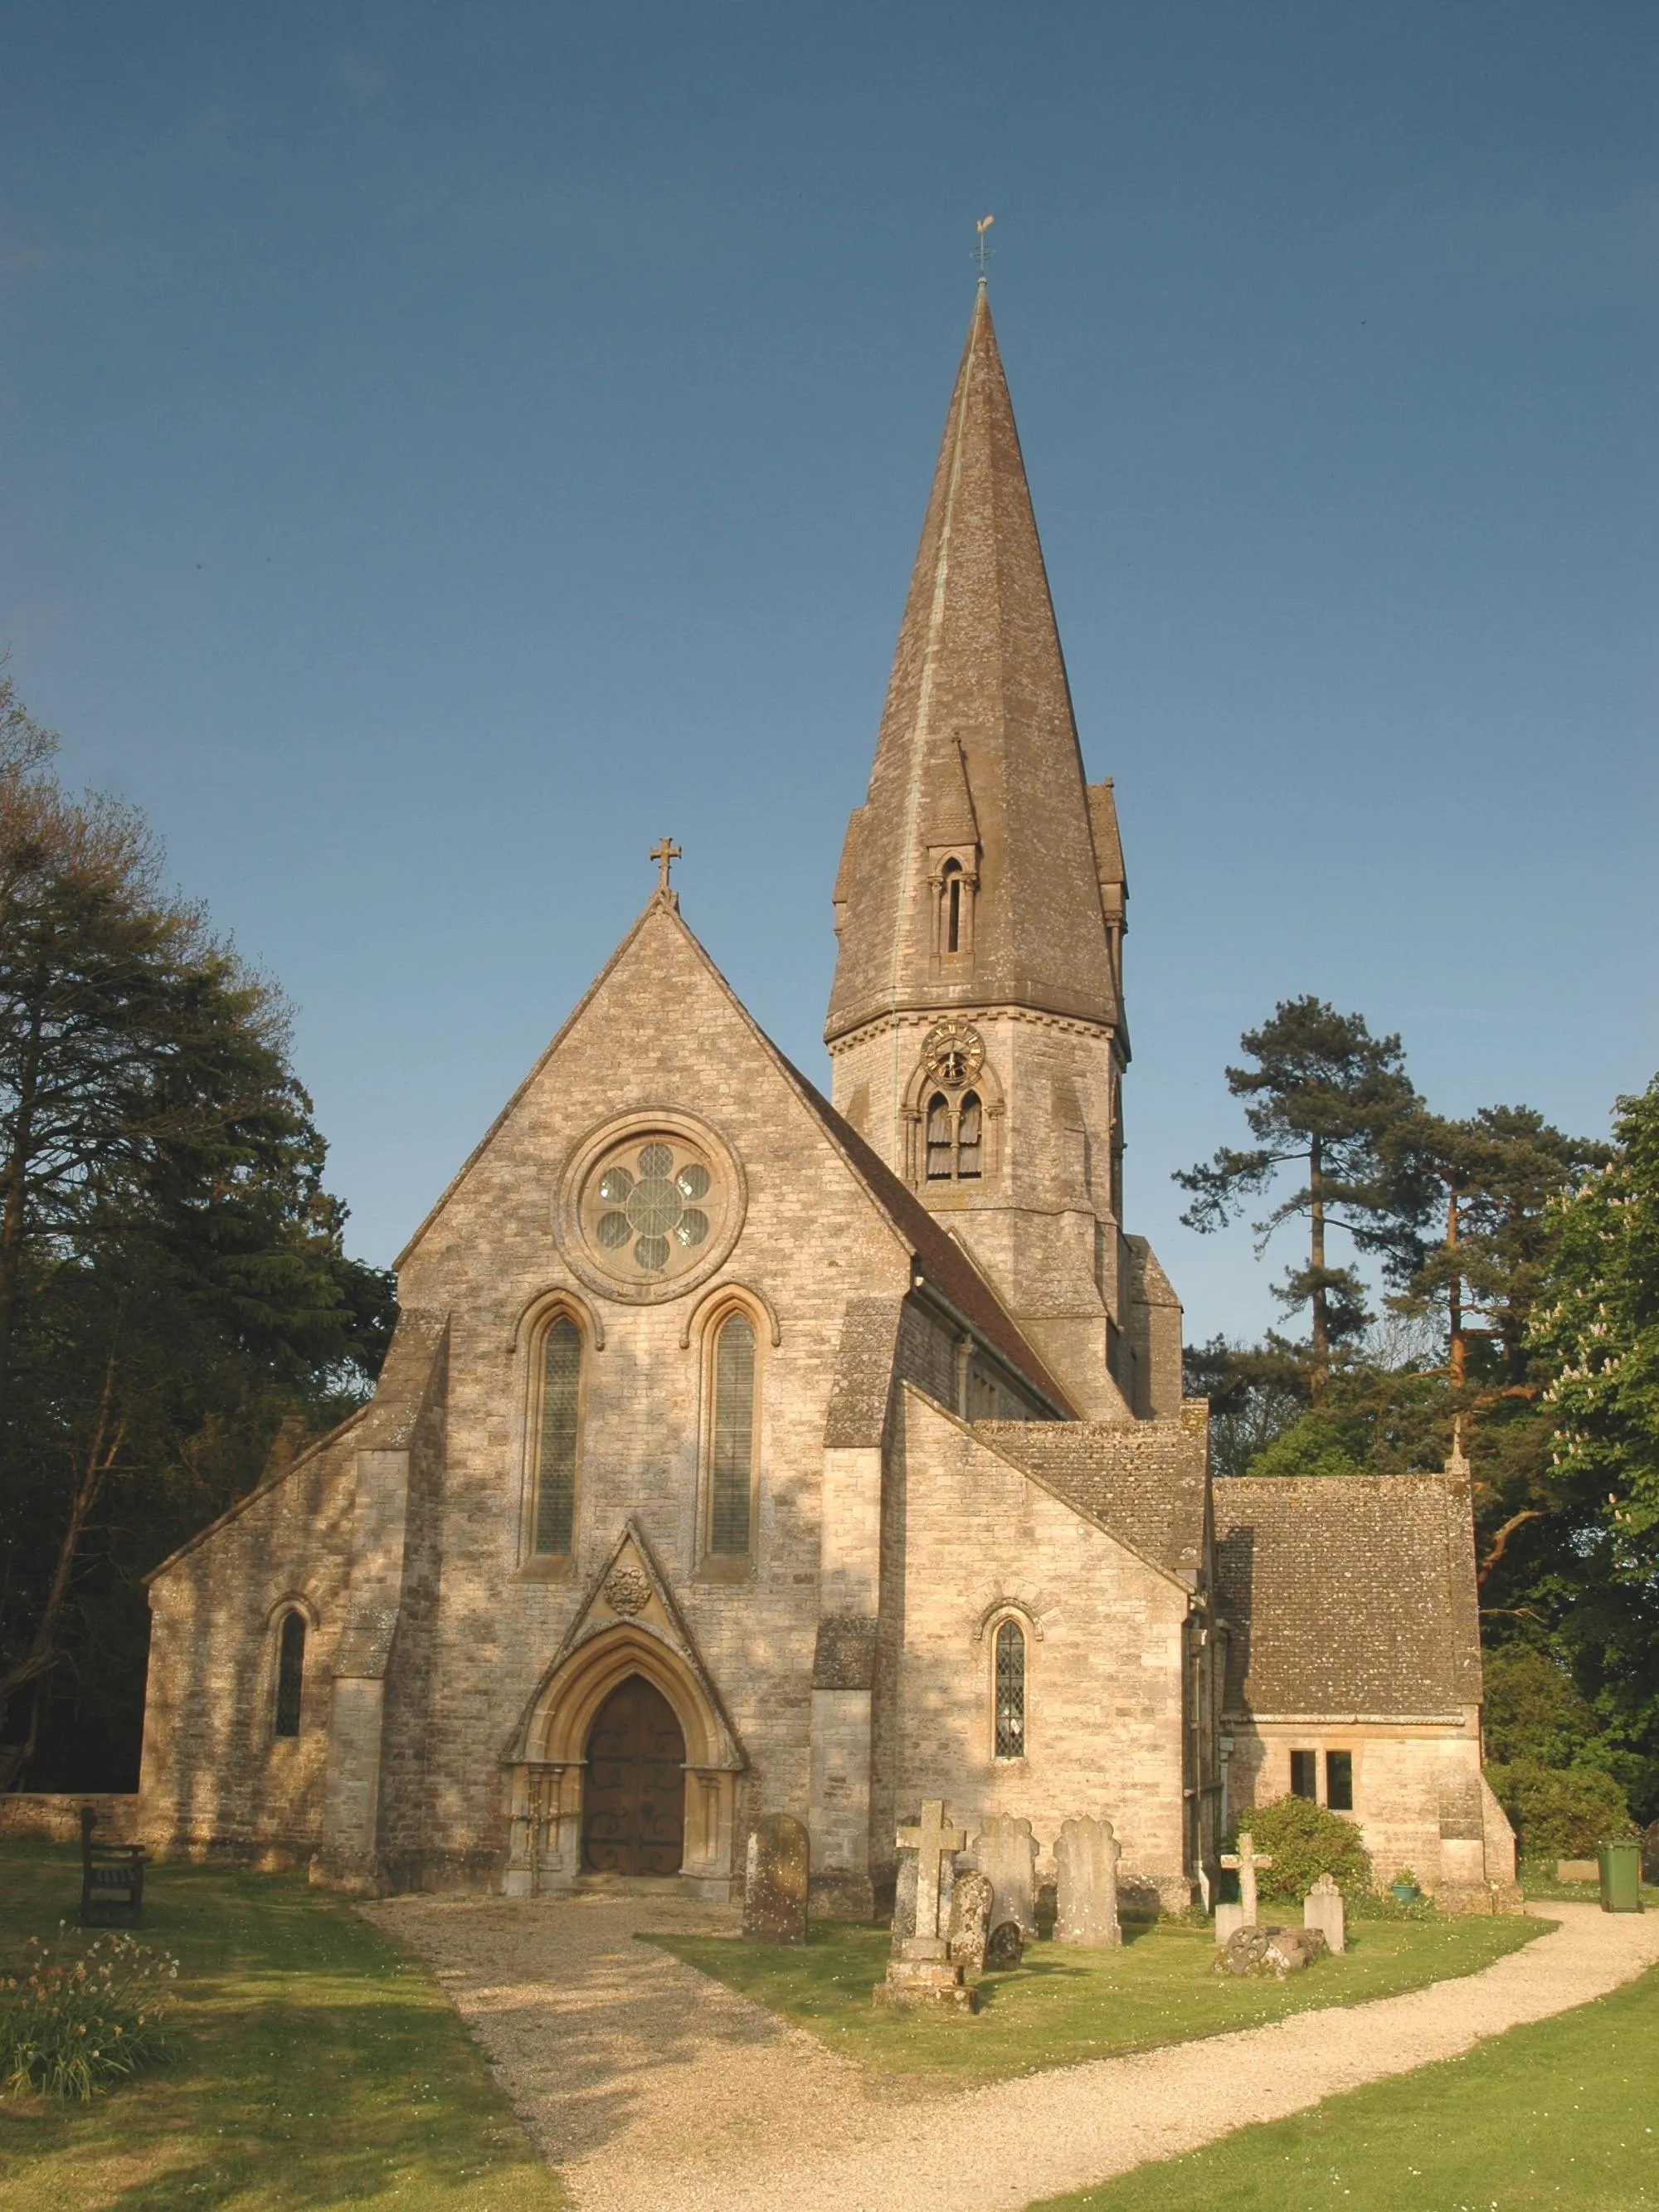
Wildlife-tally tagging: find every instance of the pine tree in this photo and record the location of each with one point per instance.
(1327, 1093)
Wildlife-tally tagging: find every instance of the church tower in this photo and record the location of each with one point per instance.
(975, 1027)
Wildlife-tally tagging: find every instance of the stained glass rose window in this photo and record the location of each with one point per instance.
(649, 1208)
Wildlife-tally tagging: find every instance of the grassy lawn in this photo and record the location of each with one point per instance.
(1559, 2114)
(1067, 2005)
(314, 2066)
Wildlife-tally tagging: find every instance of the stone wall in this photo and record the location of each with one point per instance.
(216, 1779)
(54, 1816)
(1418, 1796)
(968, 1533)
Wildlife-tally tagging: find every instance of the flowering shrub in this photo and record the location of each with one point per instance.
(70, 2027)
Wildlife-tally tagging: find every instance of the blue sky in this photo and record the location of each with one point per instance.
(442, 446)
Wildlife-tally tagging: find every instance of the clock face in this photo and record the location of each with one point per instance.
(953, 1053)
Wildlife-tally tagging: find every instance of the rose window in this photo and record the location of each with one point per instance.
(650, 1207)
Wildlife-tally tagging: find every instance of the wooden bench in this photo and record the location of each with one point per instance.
(112, 1880)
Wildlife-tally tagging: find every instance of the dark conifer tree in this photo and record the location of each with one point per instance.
(1325, 1096)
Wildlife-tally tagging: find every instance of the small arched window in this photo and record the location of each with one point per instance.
(1008, 1690)
(939, 1147)
(558, 1443)
(953, 887)
(290, 1672)
(969, 1138)
(732, 1438)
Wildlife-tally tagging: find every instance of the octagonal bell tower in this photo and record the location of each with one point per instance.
(976, 1026)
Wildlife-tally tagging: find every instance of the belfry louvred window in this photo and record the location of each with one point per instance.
(956, 1138)
(1008, 1690)
(940, 1143)
(558, 1439)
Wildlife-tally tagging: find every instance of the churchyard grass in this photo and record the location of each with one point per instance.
(1558, 2113)
(1068, 2005)
(1537, 1881)
(310, 2065)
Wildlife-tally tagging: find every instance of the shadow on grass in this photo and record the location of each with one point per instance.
(312, 2066)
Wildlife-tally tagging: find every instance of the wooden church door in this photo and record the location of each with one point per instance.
(634, 1815)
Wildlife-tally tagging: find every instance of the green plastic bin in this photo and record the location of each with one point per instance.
(1621, 1876)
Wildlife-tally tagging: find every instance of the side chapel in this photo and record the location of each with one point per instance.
(741, 1451)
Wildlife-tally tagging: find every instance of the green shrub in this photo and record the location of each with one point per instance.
(1560, 1812)
(1306, 1840)
(70, 2027)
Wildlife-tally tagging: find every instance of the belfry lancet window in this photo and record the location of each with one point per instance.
(558, 1440)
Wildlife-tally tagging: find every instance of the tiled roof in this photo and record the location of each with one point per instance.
(1144, 1483)
(1348, 1596)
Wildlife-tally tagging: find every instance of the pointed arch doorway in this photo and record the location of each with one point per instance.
(634, 1803)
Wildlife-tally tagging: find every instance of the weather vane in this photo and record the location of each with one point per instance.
(665, 853)
(984, 251)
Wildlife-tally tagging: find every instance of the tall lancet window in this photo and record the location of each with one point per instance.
(290, 1672)
(732, 1438)
(940, 1147)
(1009, 1690)
(559, 1438)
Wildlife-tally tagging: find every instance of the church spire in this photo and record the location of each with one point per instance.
(969, 876)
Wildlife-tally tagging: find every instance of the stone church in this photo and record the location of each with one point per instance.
(742, 1451)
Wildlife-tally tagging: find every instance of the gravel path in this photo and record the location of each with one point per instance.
(650, 2085)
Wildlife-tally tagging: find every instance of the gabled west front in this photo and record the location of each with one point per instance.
(739, 1452)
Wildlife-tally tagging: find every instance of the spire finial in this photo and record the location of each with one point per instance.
(984, 251)
(665, 853)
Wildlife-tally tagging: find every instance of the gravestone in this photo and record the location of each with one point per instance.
(776, 1877)
(1323, 1909)
(1005, 1947)
(1229, 1919)
(970, 1922)
(1249, 1863)
(1005, 1850)
(1086, 1857)
(904, 1897)
(1276, 1951)
(921, 1970)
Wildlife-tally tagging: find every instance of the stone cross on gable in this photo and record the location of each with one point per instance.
(931, 1841)
(1248, 1862)
(665, 853)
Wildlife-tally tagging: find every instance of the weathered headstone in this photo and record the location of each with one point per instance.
(775, 1880)
(1006, 1947)
(1323, 1909)
(1249, 1863)
(970, 1922)
(921, 1970)
(1086, 1855)
(1005, 1850)
(1229, 1919)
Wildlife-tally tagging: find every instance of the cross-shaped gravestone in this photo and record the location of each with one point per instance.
(1248, 1862)
(931, 1841)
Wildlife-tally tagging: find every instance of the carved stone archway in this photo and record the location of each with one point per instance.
(629, 1625)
